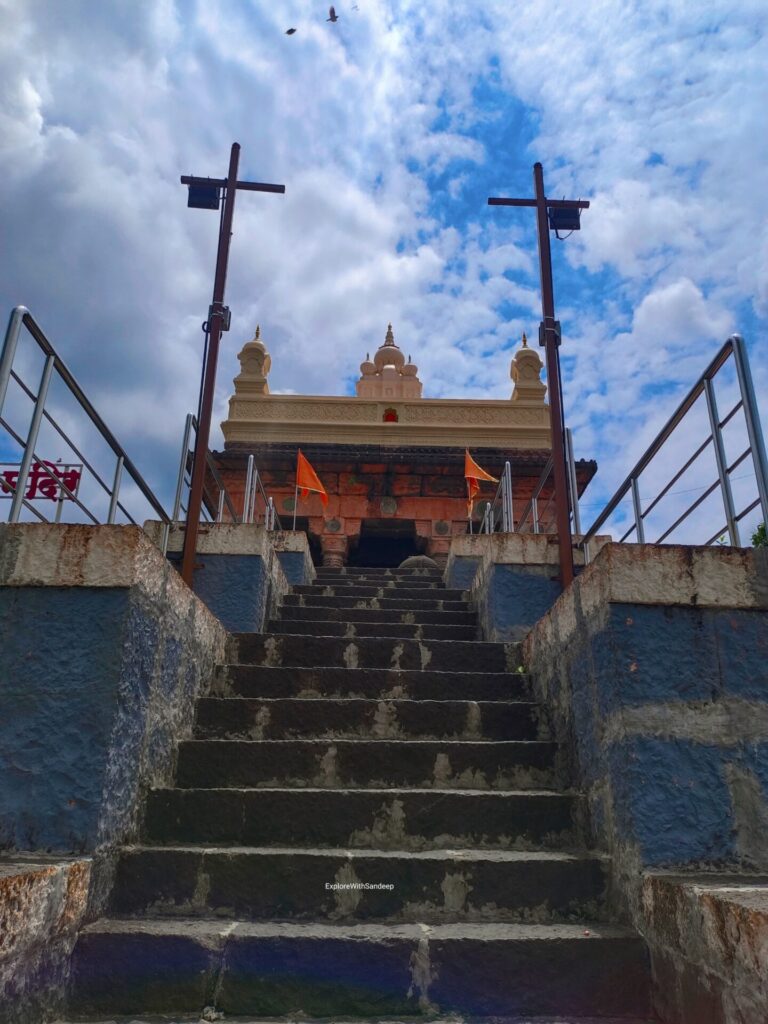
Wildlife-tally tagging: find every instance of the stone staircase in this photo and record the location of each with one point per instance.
(367, 739)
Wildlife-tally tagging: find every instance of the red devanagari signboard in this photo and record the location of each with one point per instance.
(42, 484)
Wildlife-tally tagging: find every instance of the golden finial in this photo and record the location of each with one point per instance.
(390, 338)
(525, 341)
(257, 335)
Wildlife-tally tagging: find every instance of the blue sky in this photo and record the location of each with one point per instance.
(389, 129)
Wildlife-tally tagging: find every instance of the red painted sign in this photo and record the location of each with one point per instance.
(40, 484)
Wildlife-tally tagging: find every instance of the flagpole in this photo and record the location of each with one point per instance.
(295, 505)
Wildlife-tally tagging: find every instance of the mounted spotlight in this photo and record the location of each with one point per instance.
(564, 218)
(204, 197)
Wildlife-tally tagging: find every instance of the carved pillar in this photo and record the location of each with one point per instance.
(334, 550)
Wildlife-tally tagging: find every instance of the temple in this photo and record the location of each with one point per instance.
(391, 460)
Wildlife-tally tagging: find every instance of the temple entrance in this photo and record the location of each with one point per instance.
(385, 543)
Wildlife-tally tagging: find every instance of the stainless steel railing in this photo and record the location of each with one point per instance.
(53, 368)
(497, 516)
(217, 505)
(733, 348)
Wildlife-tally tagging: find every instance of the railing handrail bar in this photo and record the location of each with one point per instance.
(696, 391)
(61, 368)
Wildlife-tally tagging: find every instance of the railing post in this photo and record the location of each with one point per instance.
(9, 350)
(247, 496)
(220, 509)
(179, 483)
(506, 499)
(752, 417)
(535, 514)
(29, 448)
(639, 528)
(722, 464)
(115, 490)
(253, 515)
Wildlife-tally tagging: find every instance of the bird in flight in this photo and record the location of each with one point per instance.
(332, 15)
(290, 31)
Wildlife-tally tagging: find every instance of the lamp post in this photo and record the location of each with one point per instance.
(205, 193)
(557, 214)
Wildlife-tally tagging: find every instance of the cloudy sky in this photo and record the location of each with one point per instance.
(389, 130)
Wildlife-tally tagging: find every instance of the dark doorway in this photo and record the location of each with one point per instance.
(385, 543)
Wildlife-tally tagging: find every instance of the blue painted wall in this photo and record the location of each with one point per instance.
(235, 588)
(461, 572)
(96, 687)
(294, 565)
(514, 598)
(667, 795)
(60, 694)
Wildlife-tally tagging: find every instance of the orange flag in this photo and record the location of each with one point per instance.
(473, 474)
(307, 480)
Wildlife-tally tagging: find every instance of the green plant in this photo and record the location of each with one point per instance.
(760, 537)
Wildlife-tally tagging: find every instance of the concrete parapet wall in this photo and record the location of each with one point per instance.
(513, 578)
(105, 651)
(654, 669)
(238, 571)
(42, 906)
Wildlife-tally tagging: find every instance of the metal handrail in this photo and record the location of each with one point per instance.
(21, 316)
(253, 485)
(502, 501)
(735, 347)
(532, 506)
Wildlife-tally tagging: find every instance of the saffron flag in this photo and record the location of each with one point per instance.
(473, 475)
(307, 479)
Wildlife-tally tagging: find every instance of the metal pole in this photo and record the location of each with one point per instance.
(254, 491)
(9, 350)
(722, 463)
(220, 510)
(247, 492)
(209, 382)
(295, 505)
(562, 518)
(752, 417)
(115, 490)
(29, 448)
(535, 514)
(638, 513)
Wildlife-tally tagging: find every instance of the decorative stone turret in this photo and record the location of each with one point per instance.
(389, 375)
(255, 364)
(525, 371)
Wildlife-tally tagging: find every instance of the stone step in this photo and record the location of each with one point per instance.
(406, 819)
(355, 572)
(379, 764)
(409, 590)
(384, 603)
(399, 630)
(296, 885)
(432, 616)
(265, 718)
(372, 970)
(373, 683)
(371, 652)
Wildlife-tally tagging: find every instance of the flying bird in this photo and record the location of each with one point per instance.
(332, 15)
(290, 31)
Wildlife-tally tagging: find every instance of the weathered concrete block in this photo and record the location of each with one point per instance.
(709, 936)
(42, 905)
(239, 573)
